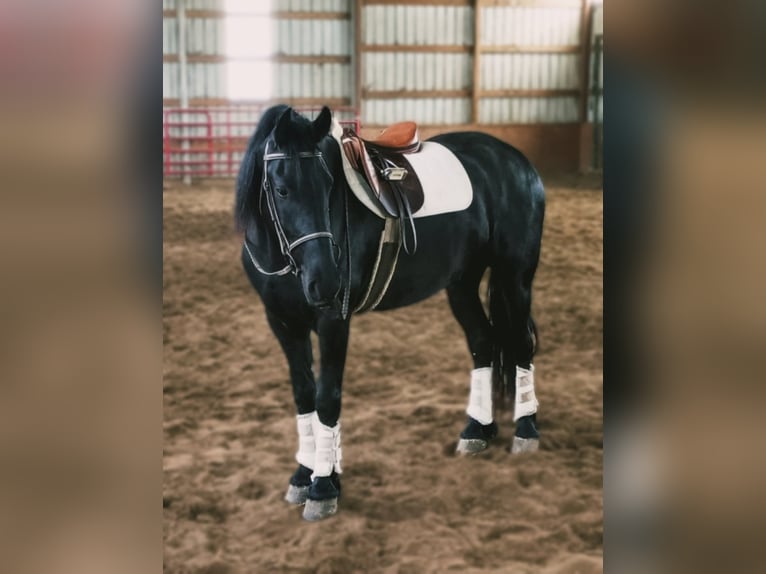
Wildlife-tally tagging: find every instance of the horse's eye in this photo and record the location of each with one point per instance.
(281, 191)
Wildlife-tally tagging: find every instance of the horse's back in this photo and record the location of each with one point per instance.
(506, 185)
(494, 165)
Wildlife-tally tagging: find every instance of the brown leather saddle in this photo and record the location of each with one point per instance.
(383, 164)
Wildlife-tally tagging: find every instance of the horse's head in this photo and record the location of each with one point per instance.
(293, 193)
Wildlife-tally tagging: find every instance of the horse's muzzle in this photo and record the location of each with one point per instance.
(322, 290)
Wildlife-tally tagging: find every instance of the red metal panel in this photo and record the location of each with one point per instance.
(193, 137)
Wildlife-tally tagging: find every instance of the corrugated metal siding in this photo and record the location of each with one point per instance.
(313, 37)
(204, 36)
(412, 71)
(169, 80)
(529, 71)
(311, 5)
(530, 26)
(528, 110)
(204, 4)
(204, 80)
(418, 25)
(312, 80)
(441, 111)
(386, 71)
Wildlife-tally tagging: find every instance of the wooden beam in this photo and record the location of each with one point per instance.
(277, 58)
(585, 19)
(282, 15)
(287, 59)
(196, 14)
(550, 93)
(516, 49)
(418, 2)
(476, 62)
(224, 102)
(532, 3)
(358, 30)
(396, 94)
(421, 48)
(311, 15)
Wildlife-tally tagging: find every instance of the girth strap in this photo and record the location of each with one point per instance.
(385, 265)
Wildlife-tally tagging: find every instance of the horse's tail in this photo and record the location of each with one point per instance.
(503, 356)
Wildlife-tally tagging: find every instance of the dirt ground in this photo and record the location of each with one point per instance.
(409, 505)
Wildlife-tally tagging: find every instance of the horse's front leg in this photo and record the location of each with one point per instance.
(296, 344)
(325, 485)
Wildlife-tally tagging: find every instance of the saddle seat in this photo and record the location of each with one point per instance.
(401, 137)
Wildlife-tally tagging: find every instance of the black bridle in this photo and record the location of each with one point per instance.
(285, 245)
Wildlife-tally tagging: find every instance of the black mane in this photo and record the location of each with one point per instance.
(298, 136)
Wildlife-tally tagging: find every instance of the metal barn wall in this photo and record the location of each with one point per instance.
(205, 35)
(597, 65)
(388, 68)
(313, 44)
(418, 62)
(538, 29)
(522, 79)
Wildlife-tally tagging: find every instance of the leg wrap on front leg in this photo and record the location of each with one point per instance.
(480, 399)
(298, 489)
(328, 453)
(306, 442)
(325, 487)
(526, 401)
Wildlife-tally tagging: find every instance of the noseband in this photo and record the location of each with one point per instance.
(285, 245)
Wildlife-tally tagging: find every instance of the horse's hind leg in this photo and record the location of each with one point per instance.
(296, 344)
(517, 295)
(466, 306)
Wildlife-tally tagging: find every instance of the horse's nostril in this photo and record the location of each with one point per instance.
(313, 288)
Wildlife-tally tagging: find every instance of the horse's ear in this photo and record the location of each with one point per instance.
(282, 128)
(321, 125)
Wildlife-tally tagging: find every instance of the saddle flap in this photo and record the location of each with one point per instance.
(383, 169)
(409, 186)
(360, 160)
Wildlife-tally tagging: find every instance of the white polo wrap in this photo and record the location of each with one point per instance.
(328, 454)
(306, 446)
(480, 399)
(526, 401)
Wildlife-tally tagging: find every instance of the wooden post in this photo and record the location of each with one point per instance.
(585, 58)
(358, 56)
(183, 89)
(476, 62)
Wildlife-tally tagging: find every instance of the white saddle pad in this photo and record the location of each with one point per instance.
(446, 187)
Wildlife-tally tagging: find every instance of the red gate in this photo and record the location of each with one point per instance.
(210, 142)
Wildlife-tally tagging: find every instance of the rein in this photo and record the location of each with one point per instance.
(285, 245)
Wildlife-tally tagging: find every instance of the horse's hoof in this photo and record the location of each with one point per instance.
(297, 494)
(471, 445)
(319, 509)
(525, 444)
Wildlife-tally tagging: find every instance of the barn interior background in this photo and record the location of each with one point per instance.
(527, 71)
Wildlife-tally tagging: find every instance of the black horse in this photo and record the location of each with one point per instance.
(309, 249)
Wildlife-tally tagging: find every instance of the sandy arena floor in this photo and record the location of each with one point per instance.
(408, 505)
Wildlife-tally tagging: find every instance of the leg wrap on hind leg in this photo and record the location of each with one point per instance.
(526, 401)
(328, 454)
(480, 399)
(306, 444)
